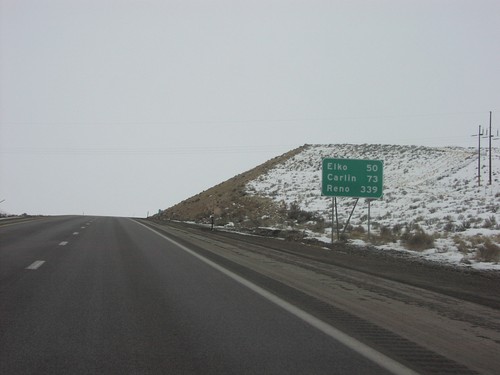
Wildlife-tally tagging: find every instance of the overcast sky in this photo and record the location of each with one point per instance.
(120, 107)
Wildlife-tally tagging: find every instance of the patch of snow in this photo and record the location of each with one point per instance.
(435, 188)
(486, 266)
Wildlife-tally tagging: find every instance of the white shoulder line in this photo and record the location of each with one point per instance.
(380, 359)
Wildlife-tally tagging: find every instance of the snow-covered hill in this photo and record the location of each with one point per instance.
(432, 191)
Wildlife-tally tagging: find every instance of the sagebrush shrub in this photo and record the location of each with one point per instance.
(418, 240)
(488, 252)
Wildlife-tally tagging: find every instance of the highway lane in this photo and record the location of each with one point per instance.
(27, 241)
(111, 296)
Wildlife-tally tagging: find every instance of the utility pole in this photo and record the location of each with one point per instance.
(489, 134)
(491, 137)
(478, 135)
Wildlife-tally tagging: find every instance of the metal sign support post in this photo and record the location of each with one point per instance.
(369, 203)
(336, 218)
(355, 178)
(333, 215)
(349, 219)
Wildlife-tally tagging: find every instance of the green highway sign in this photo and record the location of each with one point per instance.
(355, 178)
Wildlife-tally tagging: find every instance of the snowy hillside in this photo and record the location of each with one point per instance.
(432, 191)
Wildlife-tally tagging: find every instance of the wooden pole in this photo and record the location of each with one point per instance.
(490, 136)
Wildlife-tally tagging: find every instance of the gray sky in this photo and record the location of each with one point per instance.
(120, 107)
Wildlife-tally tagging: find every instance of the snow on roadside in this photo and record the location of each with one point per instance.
(434, 188)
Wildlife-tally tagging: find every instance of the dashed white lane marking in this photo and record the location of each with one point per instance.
(76, 233)
(63, 243)
(35, 265)
(83, 227)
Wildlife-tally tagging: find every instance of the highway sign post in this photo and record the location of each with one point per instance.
(355, 178)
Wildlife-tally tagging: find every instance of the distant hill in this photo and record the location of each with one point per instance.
(428, 192)
(230, 200)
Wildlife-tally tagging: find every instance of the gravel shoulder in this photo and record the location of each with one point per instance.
(478, 286)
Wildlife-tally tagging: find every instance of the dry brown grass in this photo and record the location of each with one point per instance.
(488, 252)
(485, 248)
(229, 202)
(417, 240)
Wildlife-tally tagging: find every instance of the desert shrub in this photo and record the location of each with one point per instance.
(431, 221)
(492, 208)
(294, 211)
(359, 229)
(383, 236)
(463, 226)
(488, 252)
(412, 227)
(349, 228)
(449, 227)
(344, 237)
(490, 222)
(301, 216)
(397, 229)
(417, 240)
(387, 215)
(461, 245)
(474, 220)
(318, 226)
(294, 235)
(386, 234)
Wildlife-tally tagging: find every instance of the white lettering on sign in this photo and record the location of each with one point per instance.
(369, 189)
(341, 178)
(336, 167)
(337, 189)
(352, 178)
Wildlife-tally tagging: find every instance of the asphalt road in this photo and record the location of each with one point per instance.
(436, 319)
(84, 295)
